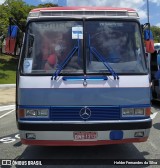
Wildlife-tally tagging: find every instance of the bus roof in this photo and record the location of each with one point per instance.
(83, 11)
(80, 8)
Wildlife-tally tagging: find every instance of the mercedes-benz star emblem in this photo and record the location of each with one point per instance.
(85, 113)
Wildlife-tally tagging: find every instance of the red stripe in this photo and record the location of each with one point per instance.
(82, 143)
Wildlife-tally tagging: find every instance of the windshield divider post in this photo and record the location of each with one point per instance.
(78, 49)
(90, 53)
(84, 48)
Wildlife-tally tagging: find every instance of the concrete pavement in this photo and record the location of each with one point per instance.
(7, 94)
(7, 85)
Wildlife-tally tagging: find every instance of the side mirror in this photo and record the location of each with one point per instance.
(148, 38)
(158, 58)
(149, 43)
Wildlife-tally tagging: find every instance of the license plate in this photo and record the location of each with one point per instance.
(85, 136)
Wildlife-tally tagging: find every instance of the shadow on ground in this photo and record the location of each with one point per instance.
(10, 64)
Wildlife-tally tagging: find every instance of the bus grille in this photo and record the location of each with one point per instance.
(73, 113)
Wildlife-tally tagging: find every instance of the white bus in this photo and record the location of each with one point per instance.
(82, 78)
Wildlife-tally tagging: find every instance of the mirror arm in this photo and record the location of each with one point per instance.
(12, 20)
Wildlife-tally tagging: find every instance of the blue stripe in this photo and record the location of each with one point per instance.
(85, 78)
(83, 96)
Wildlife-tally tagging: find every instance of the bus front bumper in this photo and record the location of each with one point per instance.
(58, 134)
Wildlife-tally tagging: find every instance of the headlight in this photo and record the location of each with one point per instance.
(139, 111)
(31, 113)
(36, 113)
(127, 111)
(134, 112)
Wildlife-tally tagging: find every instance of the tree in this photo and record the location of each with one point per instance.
(3, 20)
(46, 5)
(156, 33)
(18, 10)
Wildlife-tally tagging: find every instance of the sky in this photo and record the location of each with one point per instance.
(139, 5)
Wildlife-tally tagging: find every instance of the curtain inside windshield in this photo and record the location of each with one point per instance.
(50, 44)
(119, 43)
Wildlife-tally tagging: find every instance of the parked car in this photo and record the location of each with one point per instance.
(157, 46)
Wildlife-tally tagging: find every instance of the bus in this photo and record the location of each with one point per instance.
(82, 78)
(155, 74)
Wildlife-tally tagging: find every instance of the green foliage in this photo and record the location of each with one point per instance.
(8, 66)
(46, 5)
(3, 19)
(18, 10)
(156, 33)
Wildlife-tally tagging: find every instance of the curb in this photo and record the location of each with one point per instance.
(7, 86)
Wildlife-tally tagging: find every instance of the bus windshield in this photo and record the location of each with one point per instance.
(119, 42)
(49, 43)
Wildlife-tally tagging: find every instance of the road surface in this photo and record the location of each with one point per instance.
(11, 147)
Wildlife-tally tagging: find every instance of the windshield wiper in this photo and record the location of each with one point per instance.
(68, 58)
(102, 59)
